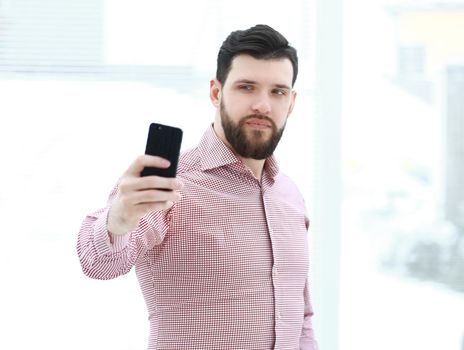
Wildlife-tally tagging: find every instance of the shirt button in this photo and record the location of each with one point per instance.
(279, 315)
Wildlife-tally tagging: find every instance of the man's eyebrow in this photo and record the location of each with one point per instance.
(247, 81)
(283, 86)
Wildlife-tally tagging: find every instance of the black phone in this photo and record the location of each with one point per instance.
(163, 141)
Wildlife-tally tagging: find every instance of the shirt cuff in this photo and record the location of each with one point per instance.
(105, 241)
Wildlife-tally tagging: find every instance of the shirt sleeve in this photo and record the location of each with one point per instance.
(307, 339)
(106, 256)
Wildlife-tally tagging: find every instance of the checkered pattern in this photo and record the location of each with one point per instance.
(226, 267)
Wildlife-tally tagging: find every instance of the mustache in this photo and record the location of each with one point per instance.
(258, 116)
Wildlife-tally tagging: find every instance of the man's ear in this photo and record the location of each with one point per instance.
(215, 92)
(292, 102)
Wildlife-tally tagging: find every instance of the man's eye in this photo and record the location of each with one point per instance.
(280, 92)
(246, 87)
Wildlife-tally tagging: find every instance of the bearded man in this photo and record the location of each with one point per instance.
(220, 251)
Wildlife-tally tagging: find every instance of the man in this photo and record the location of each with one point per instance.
(222, 257)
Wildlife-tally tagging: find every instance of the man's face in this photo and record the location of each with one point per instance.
(251, 142)
(254, 104)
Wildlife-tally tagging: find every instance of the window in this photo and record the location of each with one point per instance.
(402, 234)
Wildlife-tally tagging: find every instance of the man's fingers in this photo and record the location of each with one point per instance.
(153, 196)
(129, 184)
(146, 207)
(150, 182)
(146, 161)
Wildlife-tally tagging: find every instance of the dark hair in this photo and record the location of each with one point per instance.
(260, 42)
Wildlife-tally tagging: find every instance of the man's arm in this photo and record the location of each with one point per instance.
(307, 339)
(105, 256)
(135, 219)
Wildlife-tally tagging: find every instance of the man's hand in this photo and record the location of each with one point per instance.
(140, 195)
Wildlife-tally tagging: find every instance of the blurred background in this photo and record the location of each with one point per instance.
(375, 143)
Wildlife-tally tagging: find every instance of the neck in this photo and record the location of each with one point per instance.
(255, 166)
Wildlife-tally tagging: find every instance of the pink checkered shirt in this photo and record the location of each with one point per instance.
(226, 267)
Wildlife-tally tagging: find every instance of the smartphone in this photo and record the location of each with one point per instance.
(163, 141)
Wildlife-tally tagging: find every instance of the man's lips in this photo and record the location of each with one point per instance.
(259, 123)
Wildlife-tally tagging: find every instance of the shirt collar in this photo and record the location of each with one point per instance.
(214, 153)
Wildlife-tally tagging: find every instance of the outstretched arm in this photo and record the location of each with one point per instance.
(136, 218)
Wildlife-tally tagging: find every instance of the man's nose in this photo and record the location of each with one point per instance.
(261, 105)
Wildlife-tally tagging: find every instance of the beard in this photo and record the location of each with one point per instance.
(253, 144)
